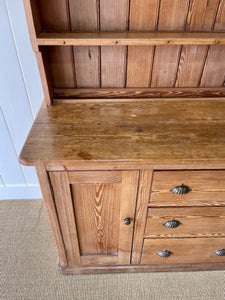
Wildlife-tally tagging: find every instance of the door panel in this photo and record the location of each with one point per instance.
(91, 208)
(96, 209)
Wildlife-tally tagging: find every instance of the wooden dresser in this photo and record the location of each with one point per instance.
(129, 144)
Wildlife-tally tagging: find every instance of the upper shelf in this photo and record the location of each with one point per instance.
(110, 38)
(178, 46)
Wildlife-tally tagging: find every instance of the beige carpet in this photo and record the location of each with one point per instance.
(29, 267)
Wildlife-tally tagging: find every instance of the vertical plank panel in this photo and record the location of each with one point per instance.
(192, 58)
(172, 16)
(220, 19)
(10, 169)
(13, 98)
(55, 16)
(214, 70)
(1, 182)
(113, 16)
(14, 102)
(143, 16)
(25, 54)
(85, 17)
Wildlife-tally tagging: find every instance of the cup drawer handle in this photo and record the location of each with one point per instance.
(220, 252)
(164, 253)
(181, 189)
(172, 223)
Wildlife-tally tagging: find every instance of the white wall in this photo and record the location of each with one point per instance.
(20, 99)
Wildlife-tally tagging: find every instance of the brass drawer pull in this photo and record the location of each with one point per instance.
(127, 221)
(220, 252)
(172, 223)
(181, 189)
(164, 253)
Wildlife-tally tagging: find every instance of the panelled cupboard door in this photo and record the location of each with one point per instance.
(92, 209)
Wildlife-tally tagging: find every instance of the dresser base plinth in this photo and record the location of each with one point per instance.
(142, 268)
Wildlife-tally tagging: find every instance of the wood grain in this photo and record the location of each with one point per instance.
(141, 214)
(129, 190)
(60, 60)
(131, 38)
(99, 207)
(64, 206)
(113, 61)
(126, 137)
(208, 188)
(143, 16)
(139, 93)
(45, 75)
(85, 16)
(214, 70)
(113, 16)
(32, 12)
(106, 115)
(96, 211)
(194, 222)
(172, 16)
(220, 20)
(95, 177)
(201, 16)
(144, 268)
(55, 16)
(185, 251)
(52, 214)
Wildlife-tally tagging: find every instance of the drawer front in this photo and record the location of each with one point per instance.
(185, 222)
(207, 188)
(183, 251)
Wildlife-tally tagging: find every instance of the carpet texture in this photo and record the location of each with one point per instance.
(29, 267)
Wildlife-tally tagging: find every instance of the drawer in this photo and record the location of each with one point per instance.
(187, 222)
(207, 188)
(183, 251)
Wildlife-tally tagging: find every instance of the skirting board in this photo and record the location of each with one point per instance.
(20, 192)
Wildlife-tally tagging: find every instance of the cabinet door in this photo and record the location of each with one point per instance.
(92, 207)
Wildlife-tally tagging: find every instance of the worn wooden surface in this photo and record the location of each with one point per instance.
(164, 58)
(84, 16)
(208, 188)
(49, 201)
(64, 206)
(128, 132)
(185, 251)
(138, 38)
(194, 222)
(55, 14)
(134, 93)
(91, 207)
(144, 268)
(141, 214)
